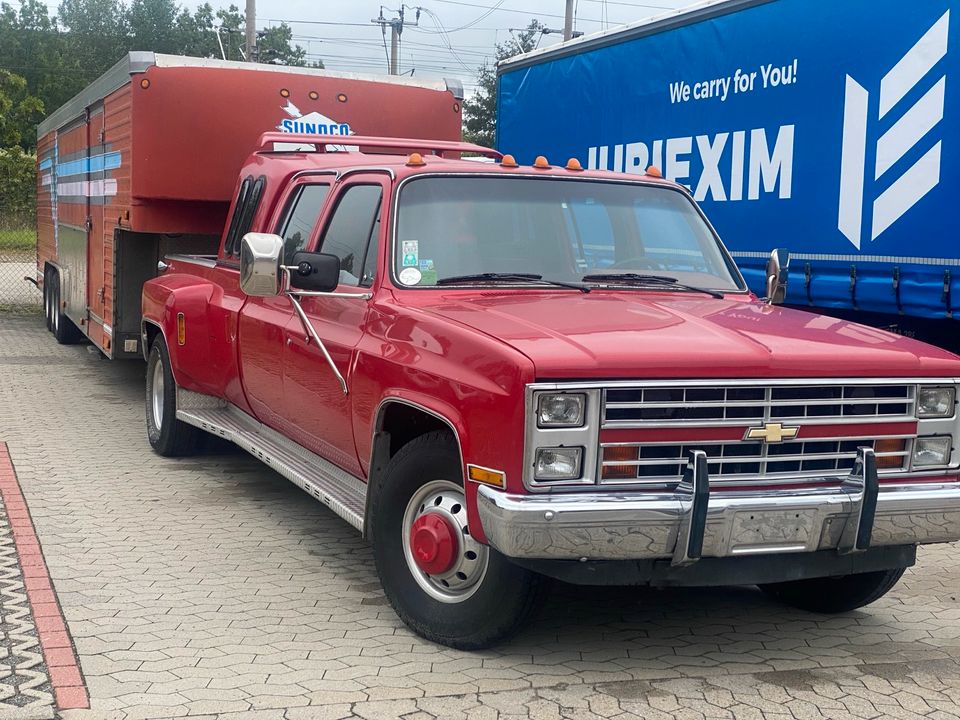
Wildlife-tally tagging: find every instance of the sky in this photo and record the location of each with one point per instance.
(452, 37)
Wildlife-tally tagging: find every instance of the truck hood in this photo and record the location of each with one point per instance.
(634, 334)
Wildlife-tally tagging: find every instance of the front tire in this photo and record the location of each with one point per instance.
(466, 595)
(832, 595)
(167, 435)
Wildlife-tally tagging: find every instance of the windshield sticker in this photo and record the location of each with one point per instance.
(410, 253)
(427, 273)
(410, 276)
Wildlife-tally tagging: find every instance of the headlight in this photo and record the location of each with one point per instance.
(560, 410)
(558, 464)
(935, 402)
(931, 451)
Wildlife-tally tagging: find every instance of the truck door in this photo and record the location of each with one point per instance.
(317, 410)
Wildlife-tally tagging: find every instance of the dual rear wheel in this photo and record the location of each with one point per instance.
(58, 323)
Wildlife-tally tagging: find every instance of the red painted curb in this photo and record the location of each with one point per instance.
(69, 688)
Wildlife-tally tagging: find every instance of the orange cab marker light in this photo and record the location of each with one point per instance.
(509, 161)
(541, 163)
(181, 330)
(415, 160)
(284, 93)
(145, 83)
(574, 164)
(486, 476)
(654, 171)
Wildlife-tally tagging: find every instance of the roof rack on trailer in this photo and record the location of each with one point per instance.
(320, 143)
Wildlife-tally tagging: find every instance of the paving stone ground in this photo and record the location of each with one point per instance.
(25, 691)
(210, 586)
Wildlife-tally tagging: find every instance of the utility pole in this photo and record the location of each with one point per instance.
(396, 30)
(567, 21)
(251, 28)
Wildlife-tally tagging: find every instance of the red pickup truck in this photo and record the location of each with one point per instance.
(501, 373)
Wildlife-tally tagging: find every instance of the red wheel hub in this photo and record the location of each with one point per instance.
(433, 541)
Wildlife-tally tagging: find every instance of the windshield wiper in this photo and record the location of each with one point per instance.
(649, 280)
(516, 277)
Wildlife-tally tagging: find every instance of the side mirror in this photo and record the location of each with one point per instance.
(260, 255)
(778, 268)
(315, 272)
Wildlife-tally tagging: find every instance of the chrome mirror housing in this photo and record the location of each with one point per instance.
(778, 269)
(260, 273)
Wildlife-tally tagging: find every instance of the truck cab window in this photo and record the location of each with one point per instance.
(249, 211)
(301, 217)
(348, 236)
(242, 195)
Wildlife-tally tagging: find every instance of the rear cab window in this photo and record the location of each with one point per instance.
(244, 210)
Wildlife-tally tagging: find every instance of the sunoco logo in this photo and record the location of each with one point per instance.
(910, 127)
(310, 124)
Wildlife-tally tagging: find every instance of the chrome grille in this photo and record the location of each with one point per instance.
(682, 405)
(734, 461)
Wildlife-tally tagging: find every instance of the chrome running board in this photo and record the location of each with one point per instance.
(337, 489)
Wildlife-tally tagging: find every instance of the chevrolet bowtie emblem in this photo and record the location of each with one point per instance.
(772, 433)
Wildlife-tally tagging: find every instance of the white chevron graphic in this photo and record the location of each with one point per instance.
(906, 132)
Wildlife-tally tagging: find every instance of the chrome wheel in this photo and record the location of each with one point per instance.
(441, 554)
(156, 394)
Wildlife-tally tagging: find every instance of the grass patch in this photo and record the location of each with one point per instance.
(18, 240)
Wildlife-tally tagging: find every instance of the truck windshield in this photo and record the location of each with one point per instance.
(561, 230)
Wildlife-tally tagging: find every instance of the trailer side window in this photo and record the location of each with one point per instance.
(352, 233)
(248, 213)
(242, 196)
(303, 211)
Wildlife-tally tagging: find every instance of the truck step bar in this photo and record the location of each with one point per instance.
(337, 489)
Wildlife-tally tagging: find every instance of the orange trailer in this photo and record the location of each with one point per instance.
(144, 162)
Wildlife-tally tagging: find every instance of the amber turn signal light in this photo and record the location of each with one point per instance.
(620, 453)
(890, 445)
(181, 330)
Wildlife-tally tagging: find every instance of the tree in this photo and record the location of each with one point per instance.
(275, 46)
(480, 111)
(153, 25)
(19, 112)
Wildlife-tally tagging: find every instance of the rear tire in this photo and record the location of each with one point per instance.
(479, 601)
(831, 595)
(62, 327)
(48, 299)
(167, 435)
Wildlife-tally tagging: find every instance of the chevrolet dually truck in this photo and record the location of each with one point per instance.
(501, 373)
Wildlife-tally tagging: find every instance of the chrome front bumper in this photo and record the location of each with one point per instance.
(691, 522)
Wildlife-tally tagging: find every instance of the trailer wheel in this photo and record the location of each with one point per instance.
(167, 435)
(48, 300)
(831, 595)
(61, 326)
(442, 583)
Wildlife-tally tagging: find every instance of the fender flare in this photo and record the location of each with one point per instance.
(380, 447)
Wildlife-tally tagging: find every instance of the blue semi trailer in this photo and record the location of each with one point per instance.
(830, 129)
